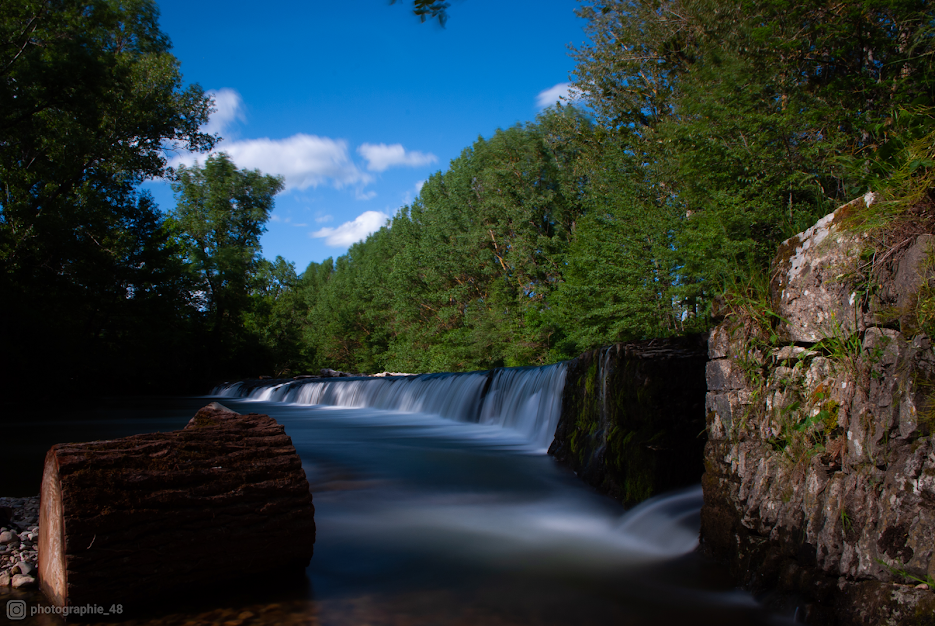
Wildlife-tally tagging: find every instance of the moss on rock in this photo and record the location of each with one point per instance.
(633, 417)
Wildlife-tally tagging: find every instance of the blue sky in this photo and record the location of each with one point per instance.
(356, 102)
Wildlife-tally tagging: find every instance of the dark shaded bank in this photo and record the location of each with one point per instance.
(632, 422)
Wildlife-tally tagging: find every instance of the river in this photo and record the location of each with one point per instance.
(424, 519)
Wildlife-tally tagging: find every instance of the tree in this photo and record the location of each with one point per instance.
(430, 10)
(90, 98)
(274, 315)
(747, 120)
(221, 212)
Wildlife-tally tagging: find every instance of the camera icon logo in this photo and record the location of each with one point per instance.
(16, 609)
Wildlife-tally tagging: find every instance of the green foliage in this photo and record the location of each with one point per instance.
(430, 10)
(464, 277)
(218, 219)
(749, 117)
(846, 349)
(904, 574)
(89, 99)
(274, 315)
(709, 132)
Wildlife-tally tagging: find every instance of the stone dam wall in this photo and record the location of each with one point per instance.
(632, 422)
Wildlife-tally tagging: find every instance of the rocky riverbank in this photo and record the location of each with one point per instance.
(19, 537)
(820, 465)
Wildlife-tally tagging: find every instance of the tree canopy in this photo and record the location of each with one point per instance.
(708, 132)
(90, 98)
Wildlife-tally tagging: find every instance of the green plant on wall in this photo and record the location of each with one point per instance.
(902, 573)
(843, 348)
(586, 419)
(845, 521)
(802, 432)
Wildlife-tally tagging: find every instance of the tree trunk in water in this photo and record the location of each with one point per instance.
(122, 521)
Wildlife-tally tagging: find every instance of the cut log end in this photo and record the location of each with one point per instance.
(128, 519)
(52, 572)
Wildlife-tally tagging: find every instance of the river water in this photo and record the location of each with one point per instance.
(424, 519)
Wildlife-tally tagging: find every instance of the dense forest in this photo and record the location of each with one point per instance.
(702, 134)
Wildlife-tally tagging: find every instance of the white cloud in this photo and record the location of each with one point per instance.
(324, 218)
(228, 107)
(352, 232)
(419, 185)
(303, 160)
(550, 96)
(360, 195)
(288, 220)
(381, 156)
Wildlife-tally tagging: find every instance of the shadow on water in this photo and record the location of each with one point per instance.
(425, 520)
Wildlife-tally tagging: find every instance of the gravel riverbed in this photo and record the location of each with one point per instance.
(19, 542)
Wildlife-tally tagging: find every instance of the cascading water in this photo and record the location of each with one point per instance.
(430, 509)
(527, 400)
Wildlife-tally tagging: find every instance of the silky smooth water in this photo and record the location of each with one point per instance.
(423, 519)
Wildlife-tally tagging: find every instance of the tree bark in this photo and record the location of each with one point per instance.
(125, 520)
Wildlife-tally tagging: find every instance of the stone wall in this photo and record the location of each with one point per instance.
(632, 421)
(819, 466)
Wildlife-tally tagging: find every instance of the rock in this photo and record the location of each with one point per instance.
(26, 568)
(811, 288)
(719, 341)
(787, 353)
(19, 581)
(724, 374)
(5, 580)
(9, 538)
(914, 270)
(326, 372)
(820, 468)
(217, 406)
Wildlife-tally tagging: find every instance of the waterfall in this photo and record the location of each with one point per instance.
(525, 399)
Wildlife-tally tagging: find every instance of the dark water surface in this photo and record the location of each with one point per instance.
(424, 520)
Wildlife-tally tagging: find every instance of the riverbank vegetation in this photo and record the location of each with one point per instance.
(701, 135)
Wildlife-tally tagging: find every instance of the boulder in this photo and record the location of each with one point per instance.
(812, 286)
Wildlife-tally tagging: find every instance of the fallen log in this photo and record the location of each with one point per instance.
(123, 521)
